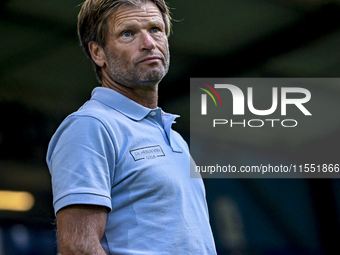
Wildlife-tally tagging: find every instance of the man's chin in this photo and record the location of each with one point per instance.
(152, 76)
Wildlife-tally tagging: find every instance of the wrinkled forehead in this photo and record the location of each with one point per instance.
(140, 14)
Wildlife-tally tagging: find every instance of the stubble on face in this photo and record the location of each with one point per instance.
(131, 75)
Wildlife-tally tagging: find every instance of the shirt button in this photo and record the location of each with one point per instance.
(152, 113)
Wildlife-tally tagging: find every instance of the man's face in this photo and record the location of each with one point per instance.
(137, 48)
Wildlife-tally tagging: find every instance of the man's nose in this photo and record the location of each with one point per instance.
(147, 43)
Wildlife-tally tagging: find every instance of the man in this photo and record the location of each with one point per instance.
(120, 174)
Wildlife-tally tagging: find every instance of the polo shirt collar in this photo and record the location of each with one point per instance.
(121, 103)
(136, 111)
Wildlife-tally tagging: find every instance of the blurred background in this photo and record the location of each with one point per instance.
(44, 76)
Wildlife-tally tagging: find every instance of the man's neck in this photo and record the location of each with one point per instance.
(146, 96)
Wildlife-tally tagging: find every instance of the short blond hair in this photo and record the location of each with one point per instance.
(92, 22)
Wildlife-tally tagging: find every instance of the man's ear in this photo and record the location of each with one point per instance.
(97, 53)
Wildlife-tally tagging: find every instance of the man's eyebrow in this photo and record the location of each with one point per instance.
(156, 22)
(133, 24)
(124, 26)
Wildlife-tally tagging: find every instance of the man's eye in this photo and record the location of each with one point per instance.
(127, 34)
(154, 30)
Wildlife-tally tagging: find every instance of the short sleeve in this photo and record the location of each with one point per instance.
(80, 158)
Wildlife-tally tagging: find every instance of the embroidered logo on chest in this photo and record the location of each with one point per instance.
(151, 152)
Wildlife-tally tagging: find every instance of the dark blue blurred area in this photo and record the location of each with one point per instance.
(18, 239)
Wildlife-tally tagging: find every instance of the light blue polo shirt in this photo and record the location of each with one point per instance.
(116, 153)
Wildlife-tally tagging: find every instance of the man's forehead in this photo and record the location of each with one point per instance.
(144, 12)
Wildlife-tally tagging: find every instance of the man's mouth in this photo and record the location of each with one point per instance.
(150, 59)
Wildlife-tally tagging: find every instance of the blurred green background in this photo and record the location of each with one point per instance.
(44, 76)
